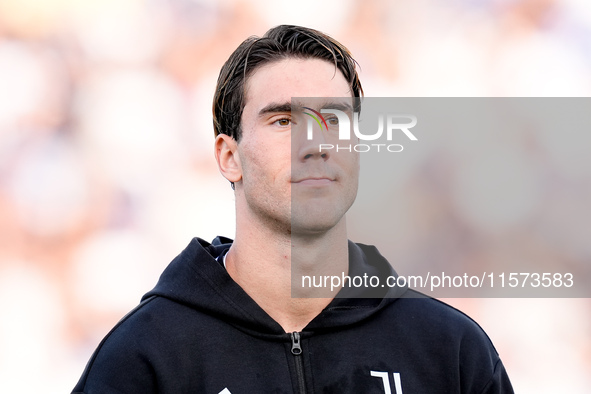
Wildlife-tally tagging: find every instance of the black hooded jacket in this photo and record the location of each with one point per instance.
(197, 331)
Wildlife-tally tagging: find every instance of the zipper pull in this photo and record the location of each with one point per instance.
(296, 349)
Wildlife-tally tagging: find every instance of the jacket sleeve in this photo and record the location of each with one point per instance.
(481, 368)
(121, 364)
(499, 383)
(116, 370)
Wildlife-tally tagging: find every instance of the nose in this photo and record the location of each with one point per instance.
(309, 142)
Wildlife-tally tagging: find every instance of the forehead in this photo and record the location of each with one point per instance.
(281, 80)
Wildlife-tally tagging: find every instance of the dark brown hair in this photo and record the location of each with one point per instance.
(280, 42)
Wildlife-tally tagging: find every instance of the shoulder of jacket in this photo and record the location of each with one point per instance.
(99, 350)
(436, 315)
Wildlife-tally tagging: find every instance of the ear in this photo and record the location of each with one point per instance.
(226, 154)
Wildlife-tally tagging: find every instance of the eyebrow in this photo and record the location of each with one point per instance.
(289, 107)
(275, 108)
(345, 107)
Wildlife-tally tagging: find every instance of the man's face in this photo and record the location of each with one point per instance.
(286, 182)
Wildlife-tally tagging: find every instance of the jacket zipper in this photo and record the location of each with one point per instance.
(296, 350)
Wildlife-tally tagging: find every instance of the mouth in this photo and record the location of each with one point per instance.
(314, 181)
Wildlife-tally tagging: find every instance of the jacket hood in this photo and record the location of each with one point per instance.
(196, 279)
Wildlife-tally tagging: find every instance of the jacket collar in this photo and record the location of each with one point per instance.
(194, 278)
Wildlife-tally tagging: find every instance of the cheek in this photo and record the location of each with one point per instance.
(255, 165)
(350, 162)
(266, 157)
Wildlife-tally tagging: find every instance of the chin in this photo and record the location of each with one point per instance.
(313, 227)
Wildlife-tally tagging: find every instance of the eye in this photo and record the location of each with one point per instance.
(283, 122)
(333, 121)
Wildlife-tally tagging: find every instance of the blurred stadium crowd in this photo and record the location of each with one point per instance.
(107, 170)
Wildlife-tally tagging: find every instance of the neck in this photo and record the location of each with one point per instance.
(269, 266)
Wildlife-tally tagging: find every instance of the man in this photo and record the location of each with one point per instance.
(222, 318)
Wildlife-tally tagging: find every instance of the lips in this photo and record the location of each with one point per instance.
(314, 180)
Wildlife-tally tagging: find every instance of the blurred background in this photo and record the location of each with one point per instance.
(107, 170)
